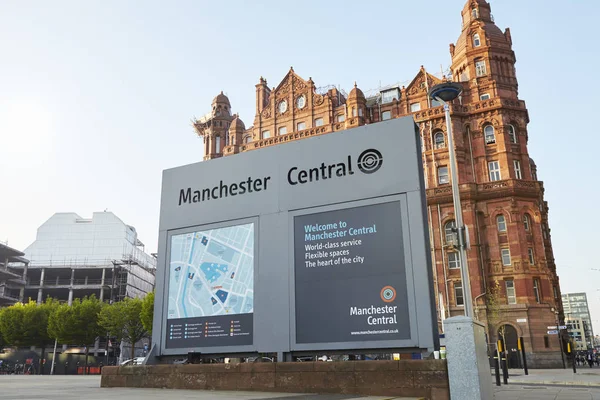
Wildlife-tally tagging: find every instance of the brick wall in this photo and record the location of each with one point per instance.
(408, 378)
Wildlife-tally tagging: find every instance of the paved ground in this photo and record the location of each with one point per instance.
(585, 376)
(538, 392)
(60, 387)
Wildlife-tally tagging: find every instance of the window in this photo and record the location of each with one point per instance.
(536, 290)
(439, 142)
(494, 169)
(266, 134)
(435, 103)
(485, 96)
(476, 40)
(218, 144)
(354, 111)
(546, 342)
(301, 126)
(282, 130)
(389, 95)
(319, 122)
(360, 112)
(555, 291)
(449, 230)
(340, 118)
(458, 294)
(505, 256)
(501, 223)
(530, 254)
(386, 115)
(490, 135)
(544, 231)
(518, 173)
(414, 107)
(526, 222)
(512, 134)
(480, 69)
(248, 139)
(453, 260)
(474, 13)
(443, 177)
(511, 298)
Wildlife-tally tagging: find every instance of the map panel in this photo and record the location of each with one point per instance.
(211, 274)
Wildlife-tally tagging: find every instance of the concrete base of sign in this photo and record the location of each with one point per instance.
(405, 378)
(468, 365)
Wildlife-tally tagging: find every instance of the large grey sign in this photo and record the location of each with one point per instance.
(253, 256)
(350, 275)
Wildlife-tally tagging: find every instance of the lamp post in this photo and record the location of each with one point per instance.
(445, 93)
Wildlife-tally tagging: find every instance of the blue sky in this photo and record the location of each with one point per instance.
(96, 97)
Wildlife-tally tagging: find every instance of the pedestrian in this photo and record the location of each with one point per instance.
(590, 359)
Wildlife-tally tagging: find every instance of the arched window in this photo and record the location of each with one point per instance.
(527, 222)
(476, 40)
(217, 144)
(439, 142)
(512, 134)
(354, 111)
(501, 223)
(449, 231)
(248, 139)
(474, 13)
(490, 135)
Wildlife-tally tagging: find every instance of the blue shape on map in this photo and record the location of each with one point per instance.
(212, 271)
(222, 295)
(178, 269)
(232, 275)
(191, 275)
(204, 240)
(223, 252)
(212, 299)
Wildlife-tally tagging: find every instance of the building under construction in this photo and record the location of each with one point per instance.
(13, 273)
(73, 257)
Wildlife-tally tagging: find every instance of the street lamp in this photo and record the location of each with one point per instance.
(445, 93)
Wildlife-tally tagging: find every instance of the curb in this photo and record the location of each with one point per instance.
(555, 383)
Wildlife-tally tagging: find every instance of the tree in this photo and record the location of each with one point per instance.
(2, 341)
(77, 323)
(495, 311)
(27, 325)
(148, 312)
(123, 320)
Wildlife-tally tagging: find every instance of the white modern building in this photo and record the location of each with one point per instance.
(575, 306)
(73, 257)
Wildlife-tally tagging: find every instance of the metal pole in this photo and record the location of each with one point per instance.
(522, 348)
(464, 267)
(53, 357)
(497, 365)
(560, 343)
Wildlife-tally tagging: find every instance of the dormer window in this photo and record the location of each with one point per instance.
(390, 95)
(476, 40)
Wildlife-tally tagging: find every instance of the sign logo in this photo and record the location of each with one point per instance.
(369, 161)
(388, 294)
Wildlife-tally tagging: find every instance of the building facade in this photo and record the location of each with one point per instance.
(73, 257)
(13, 273)
(577, 332)
(576, 307)
(514, 283)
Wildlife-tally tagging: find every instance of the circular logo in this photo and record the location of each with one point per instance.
(369, 161)
(388, 294)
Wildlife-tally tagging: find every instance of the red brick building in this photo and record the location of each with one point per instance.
(513, 275)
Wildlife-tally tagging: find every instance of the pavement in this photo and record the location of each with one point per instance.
(73, 387)
(560, 385)
(585, 376)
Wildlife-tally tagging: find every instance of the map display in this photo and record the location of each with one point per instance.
(211, 287)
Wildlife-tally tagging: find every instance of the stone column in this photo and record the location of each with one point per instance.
(40, 290)
(468, 365)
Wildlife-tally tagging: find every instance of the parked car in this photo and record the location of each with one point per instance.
(133, 361)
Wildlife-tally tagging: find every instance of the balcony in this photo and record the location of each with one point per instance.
(488, 190)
